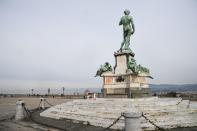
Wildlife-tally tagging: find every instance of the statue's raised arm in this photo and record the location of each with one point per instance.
(128, 29)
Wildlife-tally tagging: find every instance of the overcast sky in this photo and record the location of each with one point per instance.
(62, 43)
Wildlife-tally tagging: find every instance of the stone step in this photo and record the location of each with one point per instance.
(164, 112)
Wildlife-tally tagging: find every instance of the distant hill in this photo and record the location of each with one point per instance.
(175, 88)
(161, 88)
(158, 88)
(164, 88)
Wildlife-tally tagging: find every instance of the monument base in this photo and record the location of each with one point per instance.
(123, 82)
(126, 93)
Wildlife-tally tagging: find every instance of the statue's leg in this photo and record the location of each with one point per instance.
(124, 40)
(127, 39)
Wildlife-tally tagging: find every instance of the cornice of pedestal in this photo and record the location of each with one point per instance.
(124, 52)
(111, 74)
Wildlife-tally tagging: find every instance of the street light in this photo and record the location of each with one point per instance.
(49, 90)
(32, 91)
(63, 90)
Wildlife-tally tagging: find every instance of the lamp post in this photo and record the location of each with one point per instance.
(63, 90)
(49, 90)
(32, 91)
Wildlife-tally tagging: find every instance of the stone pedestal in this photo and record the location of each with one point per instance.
(122, 59)
(123, 82)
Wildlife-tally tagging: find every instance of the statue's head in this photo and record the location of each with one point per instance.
(106, 63)
(126, 12)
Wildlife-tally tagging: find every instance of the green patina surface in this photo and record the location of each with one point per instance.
(128, 29)
(137, 69)
(103, 68)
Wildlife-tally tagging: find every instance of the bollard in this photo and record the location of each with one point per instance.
(94, 96)
(42, 103)
(20, 110)
(132, 121)
(188, 105)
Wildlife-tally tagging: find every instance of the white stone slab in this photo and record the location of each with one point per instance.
(102, 112)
